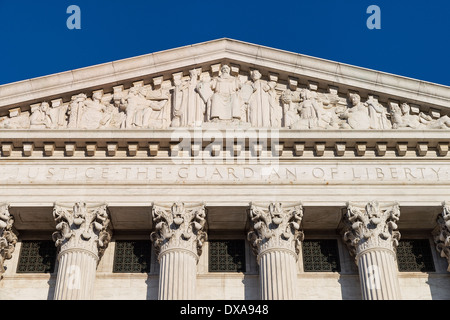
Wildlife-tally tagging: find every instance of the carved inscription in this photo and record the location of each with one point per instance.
(306, 173)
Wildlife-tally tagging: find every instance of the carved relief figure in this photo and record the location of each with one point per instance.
(259, 106)
(16, 120)
(190, 107)
(75, 110)
(180, 87)
(195, 108)
(58, 115)
(357, 115)
(290, 108)
(93, 113)
(276, 111)
(377, 115)
(40, 118)
(205, 92)
(153, 115)
(141, 112)
(309, 112)
(402, 118)
(225, 101)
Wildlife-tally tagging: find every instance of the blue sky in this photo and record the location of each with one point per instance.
(413, 40)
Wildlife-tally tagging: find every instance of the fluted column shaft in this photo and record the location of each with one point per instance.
(178, 275)
(371, 237)
(278, 274)
(76, 275)
(378, 275)
(275, 237)
(82, 236)
(178, 239)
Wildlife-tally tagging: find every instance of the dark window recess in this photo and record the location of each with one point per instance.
(414, 256)
(226, 256)
(321, 256)
(132, 256)
(37, 257)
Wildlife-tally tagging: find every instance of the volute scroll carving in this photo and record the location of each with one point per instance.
(370, 226)
(275, 226)
(179, 227)
(82, 227)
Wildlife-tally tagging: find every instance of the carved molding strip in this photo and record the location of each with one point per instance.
(284, 146)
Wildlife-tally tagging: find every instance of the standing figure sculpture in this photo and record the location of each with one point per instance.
(377, 115)
(258, 105)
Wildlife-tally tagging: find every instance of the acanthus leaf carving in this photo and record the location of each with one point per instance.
(371, 227)
(179, 227)
(8, 236)
(442, 233)
(82, 227)
(275, 227)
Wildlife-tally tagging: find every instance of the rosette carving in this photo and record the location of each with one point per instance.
(82, 227)
(179, 226)
(8, 238)
(371, 227)
(275, 226)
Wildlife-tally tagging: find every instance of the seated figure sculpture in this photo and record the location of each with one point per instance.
(225, 100)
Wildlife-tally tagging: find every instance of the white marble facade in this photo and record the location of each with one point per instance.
(224, 140)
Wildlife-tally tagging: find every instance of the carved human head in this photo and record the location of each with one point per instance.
(225, 69)
(405, 108)
(355, 98)
(97, 95)
(255, 74)
(194, 73)
(306, 94)
(45, 106)
(205, 77)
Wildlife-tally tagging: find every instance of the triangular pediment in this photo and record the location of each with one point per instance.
(189, 87)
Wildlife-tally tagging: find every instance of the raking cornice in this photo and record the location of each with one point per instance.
(164, 63)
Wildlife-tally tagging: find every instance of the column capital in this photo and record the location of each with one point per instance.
(369, 226)
(82, 226)
(441, 234)
(8, 238)
(275, 226)
(179, 226)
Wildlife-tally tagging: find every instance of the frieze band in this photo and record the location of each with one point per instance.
(222, 96)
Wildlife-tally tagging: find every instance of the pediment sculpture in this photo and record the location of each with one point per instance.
(223, 96)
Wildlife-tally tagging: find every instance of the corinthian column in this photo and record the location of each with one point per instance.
(8, 238)
(442, 233)
(371, 236)
(82, 235)
(178, 238)
(275, 237)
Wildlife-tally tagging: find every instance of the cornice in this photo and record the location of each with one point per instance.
(262, 143)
